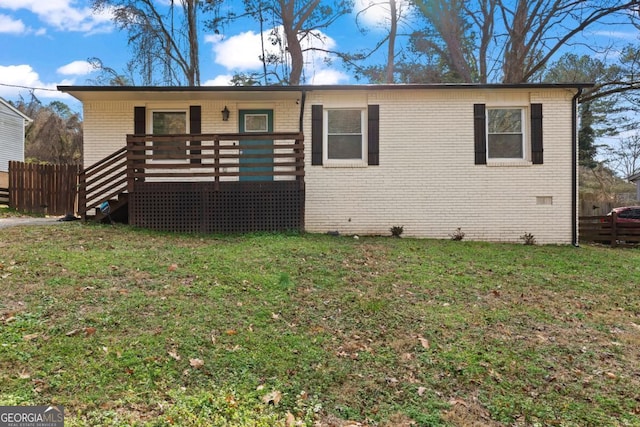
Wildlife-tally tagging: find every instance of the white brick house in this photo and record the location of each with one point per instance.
(497, 161)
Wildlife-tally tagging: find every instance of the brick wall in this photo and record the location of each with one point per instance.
(427, 181)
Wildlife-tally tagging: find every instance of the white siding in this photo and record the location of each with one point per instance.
(11, 137)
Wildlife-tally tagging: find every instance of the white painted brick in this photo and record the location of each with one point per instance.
(426, 181)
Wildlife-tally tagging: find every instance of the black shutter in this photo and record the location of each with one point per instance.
(536, 134)
(373, 133)
(139, 120)
(316, 134)
(480, 134)
(195, 128)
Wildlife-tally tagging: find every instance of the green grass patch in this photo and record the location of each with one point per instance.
(125, 326)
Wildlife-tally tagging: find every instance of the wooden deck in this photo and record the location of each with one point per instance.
(207, 183)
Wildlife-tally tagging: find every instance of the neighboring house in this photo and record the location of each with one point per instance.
(496, 161)
(12, 124)
(635, 178)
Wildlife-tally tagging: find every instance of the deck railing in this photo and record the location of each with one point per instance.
(215, 157)
(102, 181)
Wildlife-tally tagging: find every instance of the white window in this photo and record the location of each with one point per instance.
(345, 135)
(166, 122)
(505, 133)
(256, 122)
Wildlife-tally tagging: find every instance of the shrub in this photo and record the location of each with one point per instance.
(396, 231)
(457, 235)
(528, 239)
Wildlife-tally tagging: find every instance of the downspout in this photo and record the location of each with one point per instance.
(574, 168)
(303, 97)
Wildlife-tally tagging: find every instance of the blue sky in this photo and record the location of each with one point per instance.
(47, 43)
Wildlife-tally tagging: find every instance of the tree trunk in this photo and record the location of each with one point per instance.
(391, 50)
(191, 13)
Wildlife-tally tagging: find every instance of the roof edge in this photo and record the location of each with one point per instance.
(308, 88)
(15, 110)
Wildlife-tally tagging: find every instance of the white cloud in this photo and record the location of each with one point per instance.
(622, 35)
(242, 53)
(328, 77)
(76, 68)
(17, 79)
(375, 15)
(11, 26)
(221, 80)
(63, 15)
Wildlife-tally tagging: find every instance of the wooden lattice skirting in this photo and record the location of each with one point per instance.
(235, 207)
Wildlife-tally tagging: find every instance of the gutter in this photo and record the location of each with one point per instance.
(574, 168)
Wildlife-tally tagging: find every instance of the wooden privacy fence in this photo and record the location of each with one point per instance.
(46, 189)
(608, 230)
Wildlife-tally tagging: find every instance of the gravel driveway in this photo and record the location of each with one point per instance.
(15, 221)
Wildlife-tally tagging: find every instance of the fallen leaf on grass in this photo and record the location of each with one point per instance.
(89, 331)
(30, 337)
(456, 401)
(174, 354)
(272, 398)
(421, 390)
(73, 333)
(290, 420)
(25, 375)
(172, 267)
(423, 341)
(196, 363)
(231, 400)
(40, 385)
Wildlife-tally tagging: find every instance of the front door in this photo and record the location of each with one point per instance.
(258, 121)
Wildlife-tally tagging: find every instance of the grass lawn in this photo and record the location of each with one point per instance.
(124, 326)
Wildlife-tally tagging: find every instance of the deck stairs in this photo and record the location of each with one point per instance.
(104, 182)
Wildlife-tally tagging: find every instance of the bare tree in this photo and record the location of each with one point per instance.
(108, 76)
(395, 16)
(445, 18)
(301, 22)
(513, 41)
(624, 157)
(164, 39)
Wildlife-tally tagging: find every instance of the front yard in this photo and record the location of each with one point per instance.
(125, 326)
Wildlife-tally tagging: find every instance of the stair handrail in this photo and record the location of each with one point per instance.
(102, 181)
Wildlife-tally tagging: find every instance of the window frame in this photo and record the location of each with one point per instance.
(524, 129)
(150, 116)
(355, 162)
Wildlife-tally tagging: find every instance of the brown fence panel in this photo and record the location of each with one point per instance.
(45, 189)
(607, 230)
